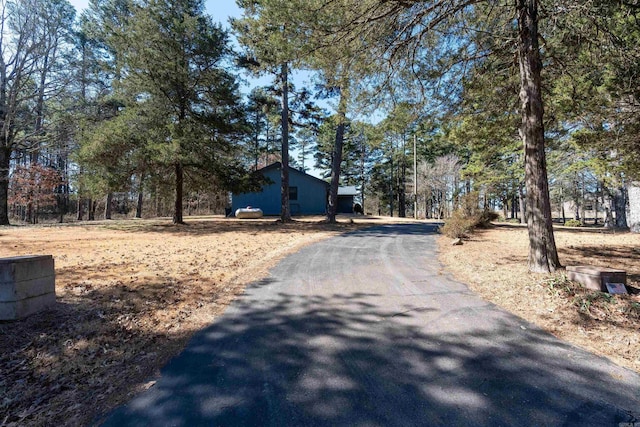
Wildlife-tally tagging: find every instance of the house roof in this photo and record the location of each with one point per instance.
(278, 165)
(350, 190)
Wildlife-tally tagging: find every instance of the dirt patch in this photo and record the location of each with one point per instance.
(494, 264)
(129, 296)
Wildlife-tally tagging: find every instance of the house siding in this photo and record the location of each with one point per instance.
(633, 216)
(312, 194)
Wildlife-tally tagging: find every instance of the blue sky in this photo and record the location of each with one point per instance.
(220, 10)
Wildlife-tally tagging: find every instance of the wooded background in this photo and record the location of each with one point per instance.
(134, 107)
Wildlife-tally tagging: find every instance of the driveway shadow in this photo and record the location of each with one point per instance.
(343, 360)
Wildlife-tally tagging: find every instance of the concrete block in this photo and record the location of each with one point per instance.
(21, 268)
(596, 278)
(27, 285)
(27, 288)
(15, 310)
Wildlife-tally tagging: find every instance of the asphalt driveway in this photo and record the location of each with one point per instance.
(364, 329)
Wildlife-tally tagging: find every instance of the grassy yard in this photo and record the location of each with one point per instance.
(131, 293)
(129, 296)
(494, 264)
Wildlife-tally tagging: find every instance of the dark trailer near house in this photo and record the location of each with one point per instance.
(308, 195)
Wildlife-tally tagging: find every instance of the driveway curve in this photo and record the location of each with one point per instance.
(365, 329)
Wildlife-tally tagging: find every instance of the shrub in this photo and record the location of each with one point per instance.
(467, 217)
(458, 226)
(572, 223)
(486, 217)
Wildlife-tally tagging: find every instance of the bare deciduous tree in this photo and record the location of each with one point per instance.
(28, 54)
(437, 185)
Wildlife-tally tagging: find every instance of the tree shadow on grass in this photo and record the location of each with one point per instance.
(96, 346)
(344, 360)
(203, 226)
(559, 227)
(212, 227)
(627, 254)
(591, 230)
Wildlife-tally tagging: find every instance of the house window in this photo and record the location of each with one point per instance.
(293, 193)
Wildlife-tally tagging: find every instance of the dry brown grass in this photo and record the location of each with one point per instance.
(494, 264)
(131, 293)
(129, 296)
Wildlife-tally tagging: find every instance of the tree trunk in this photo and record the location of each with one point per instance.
(63, 188)
(35, 153)
(363, 179)
(620, 207)
(266, 141)
(522, 205)
(391, 198)
(62, 207)
(107, 206)
(4, 186)
(80, 213)
(139, 204)
(583, 207)
(391, 192)
(604, 198)
(402, 194)
(543, 256)
(177, 211)
(608, 219)
(256, 141)
(596, 205)
(285, 211)
(92, 209)
(157, 201)
(415, 178)
(505, 208)
(337, 157)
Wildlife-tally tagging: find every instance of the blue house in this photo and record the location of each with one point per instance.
(308, 195)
